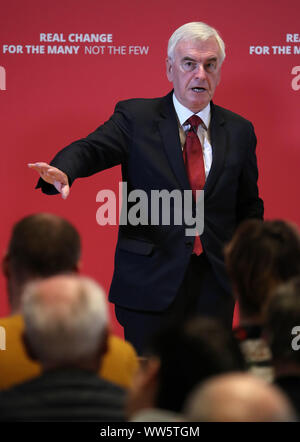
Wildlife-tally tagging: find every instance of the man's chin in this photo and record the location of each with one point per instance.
(197, 101)
(197, 106)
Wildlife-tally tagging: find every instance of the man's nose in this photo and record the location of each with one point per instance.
(200, 72)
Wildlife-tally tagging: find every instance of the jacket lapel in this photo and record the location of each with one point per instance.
(168, 127)
(218, 138)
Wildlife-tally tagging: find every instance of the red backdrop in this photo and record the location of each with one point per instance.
(49, 100)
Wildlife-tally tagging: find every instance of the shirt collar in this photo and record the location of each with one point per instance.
(183, 113)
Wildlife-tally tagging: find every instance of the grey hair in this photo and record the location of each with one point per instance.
(195, 31)
(69, 329)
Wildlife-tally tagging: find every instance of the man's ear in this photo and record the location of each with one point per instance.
(28, 349)
(78, 266)
(151, 370)
(6, 265)
(169, 68)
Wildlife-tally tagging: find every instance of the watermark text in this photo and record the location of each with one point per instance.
(156, 207)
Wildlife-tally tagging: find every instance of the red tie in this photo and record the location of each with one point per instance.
(193, 158)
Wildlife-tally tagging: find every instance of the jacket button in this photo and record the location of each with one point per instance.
(189, 243)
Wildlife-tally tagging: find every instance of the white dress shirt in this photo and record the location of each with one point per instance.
(183, 113)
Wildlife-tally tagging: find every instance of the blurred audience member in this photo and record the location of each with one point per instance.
(43, 245)
(283, 334)
(178, 358)
(66, 327)
(238, 397)
(260, 256)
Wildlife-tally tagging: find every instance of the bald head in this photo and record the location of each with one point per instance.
(238, 397)
(65, 318)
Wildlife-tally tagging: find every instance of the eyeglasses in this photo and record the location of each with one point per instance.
(190, 65)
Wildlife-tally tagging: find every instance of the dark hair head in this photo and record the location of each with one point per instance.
(42, 245)
(283, 322)
(189, 353)
(261, 255)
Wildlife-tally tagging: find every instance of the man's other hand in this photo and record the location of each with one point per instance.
(53, 176)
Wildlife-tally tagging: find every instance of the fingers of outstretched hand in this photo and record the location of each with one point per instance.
(53, 176)
(49, 173)
(57, 174)
(39, 167)
(64, 189)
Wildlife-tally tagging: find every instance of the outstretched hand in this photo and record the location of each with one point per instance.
(53, 176)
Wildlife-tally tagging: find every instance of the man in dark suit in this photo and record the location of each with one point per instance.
(160, 271)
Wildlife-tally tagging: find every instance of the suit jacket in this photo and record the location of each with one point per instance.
(64, 394)
(143, 136)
